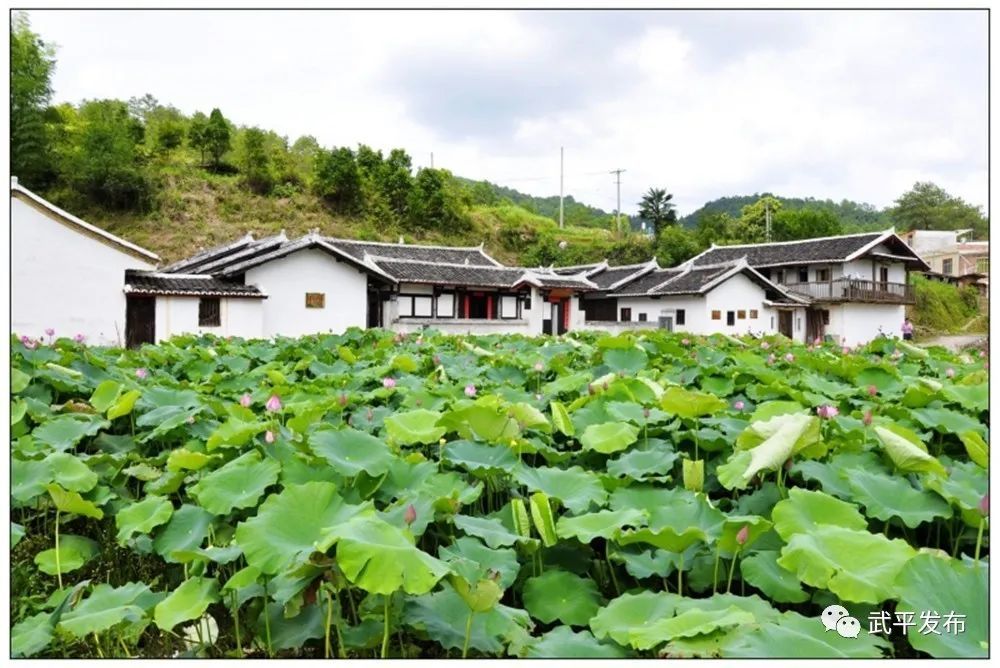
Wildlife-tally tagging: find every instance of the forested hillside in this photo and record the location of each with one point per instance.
(853, 215)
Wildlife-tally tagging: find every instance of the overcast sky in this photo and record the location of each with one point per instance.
(855, 105)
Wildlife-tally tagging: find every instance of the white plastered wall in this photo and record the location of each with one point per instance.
(287, 280)
(853, 324)
(66, 280)
(242, 317)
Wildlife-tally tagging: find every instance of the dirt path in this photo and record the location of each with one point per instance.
(952, 342)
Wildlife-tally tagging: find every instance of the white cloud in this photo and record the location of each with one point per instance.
(851, 105)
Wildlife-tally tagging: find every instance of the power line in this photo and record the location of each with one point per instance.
(618, 208)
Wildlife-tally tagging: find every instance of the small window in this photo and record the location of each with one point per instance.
(642, 317)
(947, 266)
(716, 315)
(822, 275)
(779, 276)
(209, 313)
(753, 314)
(446, 305)
(798, 324)
(680, 316)
(742, 315)
(826, 317)
(730, 318)
(315, 300)
(804, 275)
(422, 307)
(508, 307)
(626, 315)
(527, 302)
(405, 306)
(772, 322)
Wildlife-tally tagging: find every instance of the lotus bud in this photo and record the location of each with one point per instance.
(470, 390)
(742, 535)
(245, 401)
(645, 413)
(437, 360)
(190, 419)
(605, 385)
(420, 340)
(370, 415)
(441, 442)
(685, 342)
(764, 345)
(539, 367)
(770, 358)
(269, 436)
(845, 350)
(739, 405)
(872, 390)
(342, 399)
(789, 358)
(984, 504)
(50, 332)
(410, 515)
(590, 389)
(950, 372)
(538, 397)
(79, 338)
(827, 412)
(273, 404)
(141, 373)
(388, 383)
(867, 419)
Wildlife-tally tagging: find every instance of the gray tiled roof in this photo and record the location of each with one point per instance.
(449, 274)
(559, 281)
(829, 249)
(153, 283)
(613, 275)
(646, 283)
(691, 282)
(473, 255)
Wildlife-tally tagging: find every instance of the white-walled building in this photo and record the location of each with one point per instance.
(67, 274)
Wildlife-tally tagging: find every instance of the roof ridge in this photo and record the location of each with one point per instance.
(383, 258)
(399, 245)
(803, 241)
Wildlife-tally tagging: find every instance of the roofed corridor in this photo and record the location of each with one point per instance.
(855, 290)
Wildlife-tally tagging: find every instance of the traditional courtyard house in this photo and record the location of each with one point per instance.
(67, 274)
(857, 285)
(731, 298)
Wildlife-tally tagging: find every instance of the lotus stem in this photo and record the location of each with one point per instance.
(979, 539)
(732, 567)
(680, 575)
(236, 623)
(715, 573)
(267, 630)
(97, 645)
(58, 564)
(385, 628)
(327, 651)
(611, 568)
(468, 634)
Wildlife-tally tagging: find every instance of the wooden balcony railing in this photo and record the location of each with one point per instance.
(856, 290)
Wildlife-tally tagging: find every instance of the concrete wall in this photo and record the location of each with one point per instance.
(286, 282)
(460, 326)
(694, 311)
(237, 317)
(66, 280)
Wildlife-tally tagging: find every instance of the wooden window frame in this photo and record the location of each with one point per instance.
(741, 314)
(313, 297)
(730, 318)
(623, 312)
(517, 306)
(823, 275)
(716, 315)
(753, 314)
(454, 305)
(643, 317)
(206, 316)
(680, 317)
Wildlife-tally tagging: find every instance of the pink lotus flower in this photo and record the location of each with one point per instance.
(470, 390)
(845, 350)
(410, 515)
(245, 401)
(982, 353)
(273, 404)
(685, 342)
(190, 419)
(539, 367)
(28, 343)
(50, 332)
(770, 358)
(742, 535)
(765, 345)
(789, 358)
(896, 354)
(827, 412)
(269, 436)
(437, 360)
(342, 399)
(817, 341)
(645, 413)
(420, 340)
(867, 419)
(950, 372)
(388, 383)
(79, 338)
(538, 397)
(984, 504)
(141, 373)
(872, 390)
(739, 405)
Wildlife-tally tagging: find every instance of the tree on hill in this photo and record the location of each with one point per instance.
(216, 137)
(657, 210)
(337, 180)
(255, 161)
(434, 203)
(791, 224)
(927, 206)
(32, 62)
(676, 245)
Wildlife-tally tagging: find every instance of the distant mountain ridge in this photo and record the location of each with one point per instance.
(852, 214)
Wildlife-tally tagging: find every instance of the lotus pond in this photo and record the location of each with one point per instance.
(369, 494)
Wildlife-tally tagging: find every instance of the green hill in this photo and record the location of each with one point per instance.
(854, 216)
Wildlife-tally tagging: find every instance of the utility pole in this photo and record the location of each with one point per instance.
(618, 211)
(767, 221)
(432, 159)
(560, 187)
